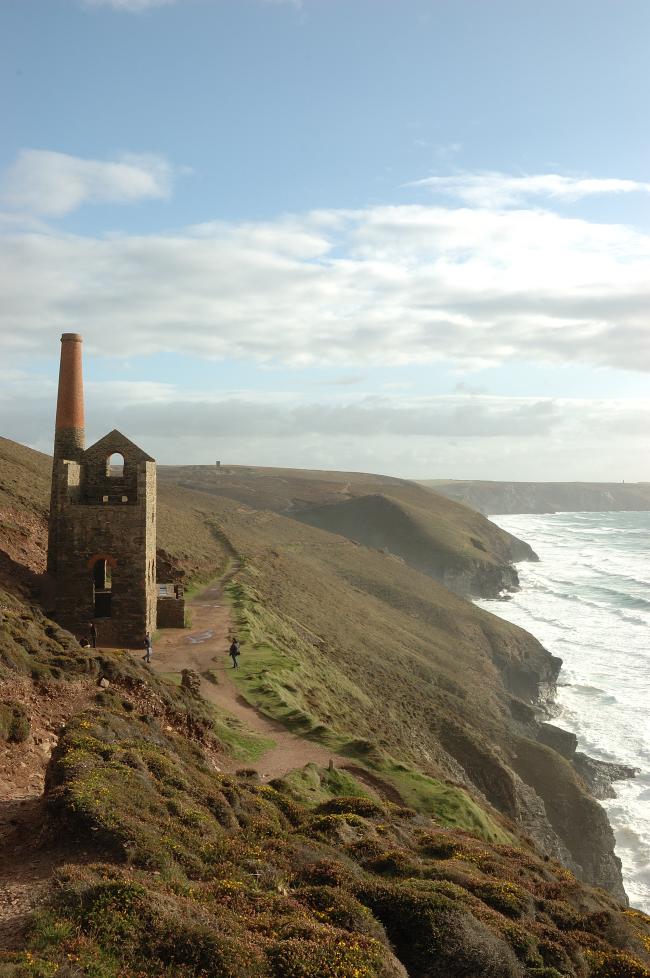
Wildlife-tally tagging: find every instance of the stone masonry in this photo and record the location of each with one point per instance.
(102, 533)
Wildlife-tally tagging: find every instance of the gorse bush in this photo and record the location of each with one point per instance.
(217, 876)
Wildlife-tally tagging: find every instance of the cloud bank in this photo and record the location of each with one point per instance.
(42, 182)
(381, 285)
(463, 436)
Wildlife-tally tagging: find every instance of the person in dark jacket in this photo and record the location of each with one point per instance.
(233, 652)
(92, 631)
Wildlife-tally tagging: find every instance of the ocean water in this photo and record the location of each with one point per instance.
(588, 601)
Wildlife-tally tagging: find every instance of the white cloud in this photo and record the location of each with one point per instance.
(463, 436)
(49, 183)
(490, 189)
(384, 285)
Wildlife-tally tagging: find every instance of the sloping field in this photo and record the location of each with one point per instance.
(446, 548)
(351, 646)
(448, 541)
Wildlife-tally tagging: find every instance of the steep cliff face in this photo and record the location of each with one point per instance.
(474, 559)
(493, 498)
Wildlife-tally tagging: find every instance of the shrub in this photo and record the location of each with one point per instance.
(324, 872)
(335, 906)
(14, 722)
(393, 862)
(608, 965)
(507, 898)
(436, 936)
(367, 807)
(334, 957)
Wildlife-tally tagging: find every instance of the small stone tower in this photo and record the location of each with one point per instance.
(102, 533)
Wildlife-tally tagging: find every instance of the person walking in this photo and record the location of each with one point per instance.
(93, 635)
(148, 647)
(233, 652)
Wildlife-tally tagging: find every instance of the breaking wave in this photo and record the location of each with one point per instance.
(588, 601)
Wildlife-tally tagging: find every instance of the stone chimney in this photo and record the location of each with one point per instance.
(69, 435)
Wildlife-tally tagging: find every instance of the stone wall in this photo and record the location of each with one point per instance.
(171, 613)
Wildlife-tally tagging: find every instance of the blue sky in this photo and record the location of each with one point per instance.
(403, 235)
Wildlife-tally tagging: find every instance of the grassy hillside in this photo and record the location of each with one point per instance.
(150, 863)
(445, 540)
(172, 867)
(333, 629)
(448, 541)
(545, 497)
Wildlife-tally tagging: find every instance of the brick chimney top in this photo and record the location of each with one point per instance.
(69, 438)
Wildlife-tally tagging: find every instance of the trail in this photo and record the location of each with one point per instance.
(205, 649)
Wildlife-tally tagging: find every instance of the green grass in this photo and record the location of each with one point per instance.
(174, 678)
(240, 743)
(312, 785)
(449, 805)
(275, 677)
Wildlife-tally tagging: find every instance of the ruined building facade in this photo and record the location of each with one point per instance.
(102, 532)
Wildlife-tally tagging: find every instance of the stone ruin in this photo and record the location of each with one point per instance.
(102, 532)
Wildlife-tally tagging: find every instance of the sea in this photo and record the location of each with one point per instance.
(588, 601)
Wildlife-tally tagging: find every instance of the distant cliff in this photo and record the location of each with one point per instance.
(492, 498)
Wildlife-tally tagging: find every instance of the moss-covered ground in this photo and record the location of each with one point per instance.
(213, 875)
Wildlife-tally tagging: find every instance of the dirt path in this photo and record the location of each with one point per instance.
(206, 648)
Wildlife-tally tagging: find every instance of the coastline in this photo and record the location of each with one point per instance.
(586, 603)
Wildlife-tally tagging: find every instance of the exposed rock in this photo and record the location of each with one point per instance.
(600, 775)
(573, 813)
(191, 681)
(563, 741)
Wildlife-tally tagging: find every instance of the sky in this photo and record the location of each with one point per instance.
(401, 236)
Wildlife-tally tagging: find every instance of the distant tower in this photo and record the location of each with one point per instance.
(102, 532)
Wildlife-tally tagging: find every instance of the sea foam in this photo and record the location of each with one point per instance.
(588, 602)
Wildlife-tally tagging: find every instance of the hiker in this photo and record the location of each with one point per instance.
(147, 645)
(92, 631)
(234, 652)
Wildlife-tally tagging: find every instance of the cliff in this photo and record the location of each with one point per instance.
(492, 498)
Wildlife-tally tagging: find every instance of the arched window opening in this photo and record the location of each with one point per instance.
(115, 466)
(102, 587)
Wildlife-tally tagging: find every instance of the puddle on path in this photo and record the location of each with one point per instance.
(200, 637)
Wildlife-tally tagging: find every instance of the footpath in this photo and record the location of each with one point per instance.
(205, 649)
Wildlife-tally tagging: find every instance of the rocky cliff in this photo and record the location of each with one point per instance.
(492, 498)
